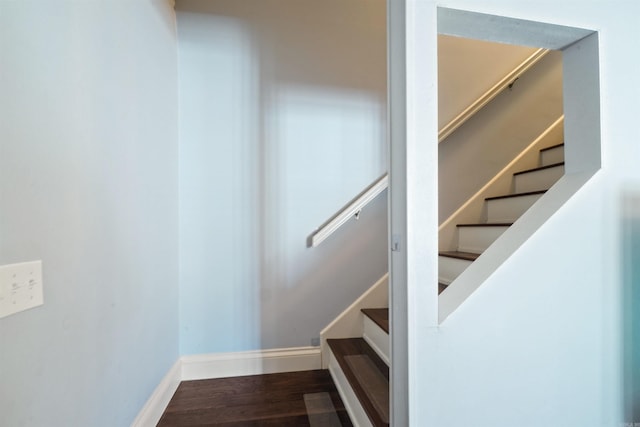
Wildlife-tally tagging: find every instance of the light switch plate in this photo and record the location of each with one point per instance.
(20, 287)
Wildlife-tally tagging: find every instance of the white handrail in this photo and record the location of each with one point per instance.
(352, 209)
(483, 100)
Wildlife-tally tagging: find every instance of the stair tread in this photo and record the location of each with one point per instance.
(487, 224)
(552, 147)
(380, 317)
(441, 287)
(539, 168)
(506, 196)
(469, 256)
(367, 374)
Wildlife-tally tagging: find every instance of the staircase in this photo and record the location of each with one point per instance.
(360, 366)
(500, 213)
(360, 370)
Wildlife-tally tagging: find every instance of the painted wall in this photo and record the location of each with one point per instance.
(88, 185)
(468, 68)
(631, 298)
(539, 344)
(282, 112)
(493, 137)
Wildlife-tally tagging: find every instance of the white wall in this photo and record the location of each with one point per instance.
(88, 185)
(468, 68)
(539, 343)
(282, 122)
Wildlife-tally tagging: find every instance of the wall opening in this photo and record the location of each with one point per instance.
(576, 52)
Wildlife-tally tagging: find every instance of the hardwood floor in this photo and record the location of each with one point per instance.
(287, 399)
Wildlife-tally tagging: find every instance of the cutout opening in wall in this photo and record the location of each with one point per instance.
(575, 51)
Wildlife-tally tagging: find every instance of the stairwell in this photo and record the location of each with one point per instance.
(356, 346)
(500, 212)
(360, 365)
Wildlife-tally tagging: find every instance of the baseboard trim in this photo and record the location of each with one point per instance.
(220, 365)
(156, 404)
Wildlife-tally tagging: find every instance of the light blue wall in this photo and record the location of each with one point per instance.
(630, 227)
(88, 185)
(282, 122)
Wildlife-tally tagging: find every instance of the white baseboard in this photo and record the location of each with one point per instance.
(159, 399)
(220, 365)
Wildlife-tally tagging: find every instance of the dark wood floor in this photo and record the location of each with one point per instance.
(257, 400)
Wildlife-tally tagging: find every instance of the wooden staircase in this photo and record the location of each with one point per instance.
(360, 366)
(500, 213)
(360, 370)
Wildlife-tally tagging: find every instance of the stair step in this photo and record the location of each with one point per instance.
(540, 178)
(441, 287)
(451, 264)
(367, 376)
(510, 207)
(469, 256)
(551, 155)
(487, 224)
(551, 147)
(379, 315)
(511, 196)
(376, 331)
(477, 238)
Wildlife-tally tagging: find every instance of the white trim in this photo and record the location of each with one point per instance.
(350, 210)
(484, 99)
(221, 365)
(153, 409)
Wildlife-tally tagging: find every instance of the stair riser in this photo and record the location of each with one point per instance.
(554, 155)
(478, 239)
(377, 338)
(450, 268)
(539, 180)
(509, 209)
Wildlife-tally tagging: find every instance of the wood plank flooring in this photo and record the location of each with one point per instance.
(257, 400)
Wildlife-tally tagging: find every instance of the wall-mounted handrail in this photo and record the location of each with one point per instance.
(354, 207)
(484, 99)
(351, 209)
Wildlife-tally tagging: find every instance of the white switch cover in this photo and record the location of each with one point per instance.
(20, 287)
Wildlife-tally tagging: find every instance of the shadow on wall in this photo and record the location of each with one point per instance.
(631, 308)
(282, 121)
(498, 133)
